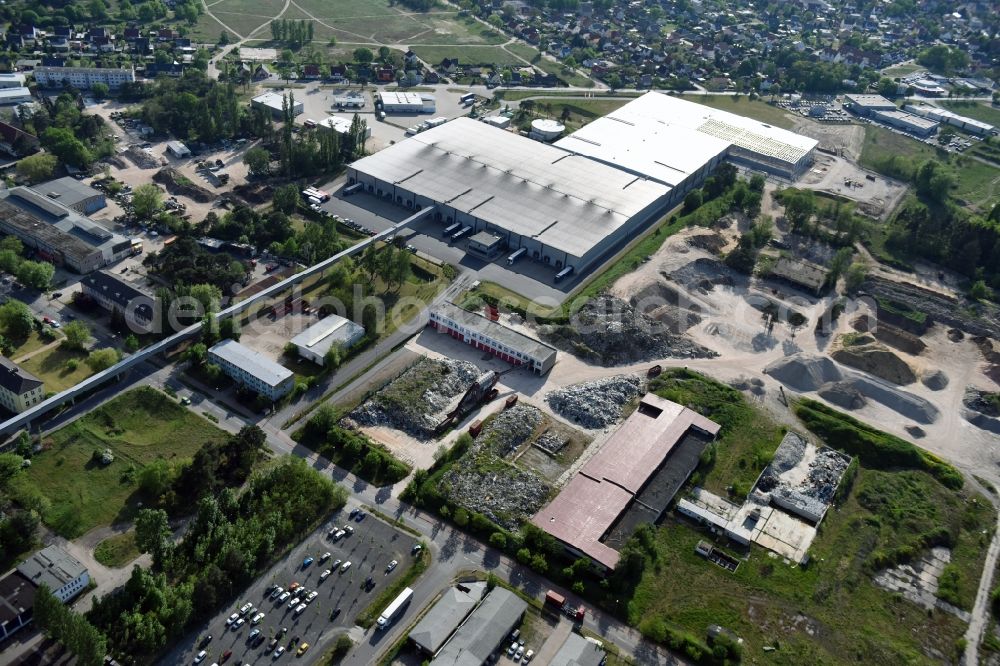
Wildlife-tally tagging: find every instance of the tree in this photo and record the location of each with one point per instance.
(36, 274)
(799, 207)
(258, 161)
(77, 335)
(614, 81)
(99, 90)
(147, 200)
(498, 540)
(102, 359)
(692, 201)
(154, 479)
(196, 354)
(132, 343)
(36, 168)
(229, 328)
(152, 534)
(363, 56)
(934, 181)
(16, 319)
(979, 291)
(63, 143)
(855, 276)
(286, 198)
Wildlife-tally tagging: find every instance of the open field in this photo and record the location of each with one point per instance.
(742, 105)
(51, 367)
(514, 95)
(472, 55)
(978, 184)
(117, 551)
(889, 513)
(140, 426)
(881, 142)
(245, 16)
(897, 71)
(581, 111)
(532, 55)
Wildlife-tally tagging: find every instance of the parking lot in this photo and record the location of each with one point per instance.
(369, 550)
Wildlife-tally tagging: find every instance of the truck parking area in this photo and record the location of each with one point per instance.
(339, 596)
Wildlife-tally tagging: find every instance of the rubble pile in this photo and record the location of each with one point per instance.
(176, 183)
(609, 331)
(551, 443)
(500, 491)
(142, 158)
(816, 489)
(972, 317)
(891, 335)
(413, 401)
(935, 380)
(597, 404)
(703, 274)
(510, 429)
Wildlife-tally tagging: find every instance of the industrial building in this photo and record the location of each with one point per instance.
(275, 103)
(406, 102)
(71, 193)
(486, 245)
(679, 143)
(570, 203)
(864, 105)
(579, 651)
(252, 369)
(445, 616)
(564, 209)
(629, 481)
(970, 125)
(53, 567)
(484, 632)
(83, 77)
(58, 233)
(116, 295)
(350, 100)
(12, 80)
(492, 336)
(19, 389)
(314, 342)
(14, 96)
(908, 122)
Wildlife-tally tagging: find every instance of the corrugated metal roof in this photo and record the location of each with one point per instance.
(253, 362)
(483, 631)
(565, 201)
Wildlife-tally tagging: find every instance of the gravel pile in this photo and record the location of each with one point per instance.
(510, 429)
(974, 318)
(142, 158)
(595, 404)
(551, 443)
(413, 402)
(876, 360)
(843, 394)
(803, 372)
(935, 380)
(704, 273)
(609, 331)
(503, 493)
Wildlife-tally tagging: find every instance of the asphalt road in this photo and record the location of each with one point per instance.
(370, 549)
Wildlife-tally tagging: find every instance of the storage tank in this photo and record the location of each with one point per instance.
(546, 130)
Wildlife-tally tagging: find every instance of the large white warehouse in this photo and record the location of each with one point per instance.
(568, 204)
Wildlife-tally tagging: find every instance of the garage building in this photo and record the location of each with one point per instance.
(484, 632)
(564, 209)
(445, 616)
(406, 102)
(274, 102)
(178, 149)
(73, 194)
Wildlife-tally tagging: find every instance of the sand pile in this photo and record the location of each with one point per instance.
(891, 335)
(877, 360)
(843, 394)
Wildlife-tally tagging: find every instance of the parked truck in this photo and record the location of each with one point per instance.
(557, 602)
(393, 610)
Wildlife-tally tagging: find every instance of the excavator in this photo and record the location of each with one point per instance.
(480, 392)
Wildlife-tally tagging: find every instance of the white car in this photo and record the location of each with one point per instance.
(528, 655)
(279, 651)
(323, 576)
(312, 595)
(336, 563)
(324, 557)
(338, 535)
(277, 592)
(294, 602)
(200, 657)
(519, 653)
(232, 618)
(299, 609)
(345, 566)
(246, 608)
(348, 529)
(284, 597)
(392, 565)
(239, 623)
(257, 618)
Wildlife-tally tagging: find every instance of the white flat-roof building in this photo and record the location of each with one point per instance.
(406, 102)
(12, 80)
(252, 369)
(14, 96)
(64, 575)
(564, 209)
(83, 77)
(314, 342)
(907, 122)
(340, 125)
(970, 125)
(678, 142)
(274, 102)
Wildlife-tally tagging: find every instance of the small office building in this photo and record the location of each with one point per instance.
(53, 567)
(445, 616)
(492, 336)
(9, 96)
(19, 389)
(329, 332)
(578, 651)
(341, 126)
(486, 245)
(907, 122)
(252, 369)
(484, 632)
(116, 295)
(406, 102)
(12, 80)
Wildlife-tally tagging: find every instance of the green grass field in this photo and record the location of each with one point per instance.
(828, 611)
(139, 426)
(581, 111)
(742, 105)
(977, 184)
(27, 345)
(117, 551)
(902, 70)
(473, 55)
(51, 367)
(881, 142)
(532, 55)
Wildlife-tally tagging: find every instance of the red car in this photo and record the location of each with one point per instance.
(226, 655)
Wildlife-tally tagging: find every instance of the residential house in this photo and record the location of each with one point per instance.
(19, 389)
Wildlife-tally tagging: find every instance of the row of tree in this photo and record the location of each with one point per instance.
(34, 274)
(69, 628)
(294, 33)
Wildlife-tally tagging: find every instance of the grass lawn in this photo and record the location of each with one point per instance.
(466, 54)
(534, 56)
(50, 366)
(881, 142)
(884, 515)
(978, 110)
(742, 105)
(581, 111)
(139, 426)
(207, 29)
(513, 95)
(27, 345)
(507, 298)
(977, 184)
(117, 551)
(902, 70)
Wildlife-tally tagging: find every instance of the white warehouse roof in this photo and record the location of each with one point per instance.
(253, 362)
(565, 201)
(322, 335)
(400, 98)
(667, 138)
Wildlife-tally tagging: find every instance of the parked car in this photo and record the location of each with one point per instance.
(324, 557)
(239, 623)
(528, 655)
(519, 653)
(280, 651)
(392, 565)
(284, 597)
(416, 549)
(334, 613)
(257, 618)
(336, 563)
(294, 602)
(302, 649)
(246, 608)
(325, 574)
(345, 566)
(205, 641)
(200, 657)
(312, 595)
(253, 635)
(349, 530)
(277, 592)
(294, 586)
(300, 608)
(306, 562)
(232, 618)
(225, 656)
